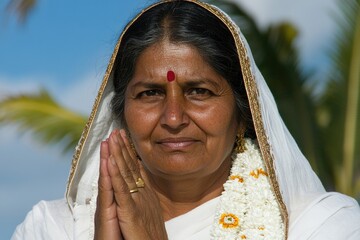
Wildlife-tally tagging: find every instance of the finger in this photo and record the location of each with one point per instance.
(117, 159)
(119, 154)
(129, 155)
(128, 145)
(106, 221)
(121, 189)
(105, 195)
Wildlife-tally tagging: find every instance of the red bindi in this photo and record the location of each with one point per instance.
(170, 76)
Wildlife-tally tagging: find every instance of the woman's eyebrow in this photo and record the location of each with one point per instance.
(201, 82)
(186, 84)
(144, 84)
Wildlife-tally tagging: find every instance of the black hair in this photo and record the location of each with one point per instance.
(181, 22)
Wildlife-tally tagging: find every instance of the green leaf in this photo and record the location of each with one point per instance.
(339, 107)
(47, 120)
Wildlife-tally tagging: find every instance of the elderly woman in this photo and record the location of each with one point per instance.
(185, 142)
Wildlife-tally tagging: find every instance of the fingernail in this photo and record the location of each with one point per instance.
(115, 137)
(123, 133)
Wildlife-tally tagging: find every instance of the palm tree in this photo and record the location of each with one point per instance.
(339, 106)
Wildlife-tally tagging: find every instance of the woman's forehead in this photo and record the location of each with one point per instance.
(167, 60)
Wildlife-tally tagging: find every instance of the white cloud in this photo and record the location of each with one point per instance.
(10, 86)
(80, 95)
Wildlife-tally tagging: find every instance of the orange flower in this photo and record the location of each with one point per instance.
(236, 177)
(256, 173)
(262, 228)
(229, 220)
(243, 237)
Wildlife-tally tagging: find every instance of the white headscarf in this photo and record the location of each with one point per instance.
(306, 207)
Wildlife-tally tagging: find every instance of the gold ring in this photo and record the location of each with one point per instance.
(140, 183)
(134, 190)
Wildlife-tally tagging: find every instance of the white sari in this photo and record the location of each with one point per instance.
(308, 211)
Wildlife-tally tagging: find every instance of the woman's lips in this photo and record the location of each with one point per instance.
(176, 143)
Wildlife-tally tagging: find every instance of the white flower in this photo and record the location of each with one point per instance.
(248, 208)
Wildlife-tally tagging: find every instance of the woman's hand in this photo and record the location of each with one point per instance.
(106, 221)
(138, 214)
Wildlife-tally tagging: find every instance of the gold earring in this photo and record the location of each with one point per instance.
(240, 142)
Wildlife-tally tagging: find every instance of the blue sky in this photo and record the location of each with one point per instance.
(64, 47)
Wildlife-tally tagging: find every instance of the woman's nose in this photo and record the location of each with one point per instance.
(174, 116)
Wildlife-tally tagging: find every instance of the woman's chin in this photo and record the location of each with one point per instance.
(176, 167)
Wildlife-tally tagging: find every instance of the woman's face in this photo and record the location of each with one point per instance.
(184, 127)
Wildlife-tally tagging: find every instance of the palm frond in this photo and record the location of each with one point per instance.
(21, 7)
(352, 105)
(46, 119)
(341, 102)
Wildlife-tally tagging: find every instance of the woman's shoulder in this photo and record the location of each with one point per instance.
(46, 220)
(329, 216)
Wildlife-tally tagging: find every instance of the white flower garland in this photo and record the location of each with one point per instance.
(248, 208)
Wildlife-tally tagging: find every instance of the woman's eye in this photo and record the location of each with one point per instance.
(150, 93)
(199, 91)
(199, 94)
